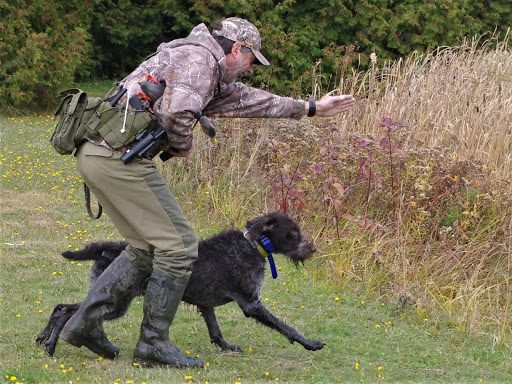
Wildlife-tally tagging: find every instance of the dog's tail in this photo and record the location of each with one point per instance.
(95, 251)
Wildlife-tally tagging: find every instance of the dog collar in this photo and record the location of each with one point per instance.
(265, 248)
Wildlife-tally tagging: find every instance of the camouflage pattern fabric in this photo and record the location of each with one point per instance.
(243, 31)
(192, 69)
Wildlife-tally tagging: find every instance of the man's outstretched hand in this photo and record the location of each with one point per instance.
(332, 105)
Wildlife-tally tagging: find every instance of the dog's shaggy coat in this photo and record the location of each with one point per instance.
(229, 268)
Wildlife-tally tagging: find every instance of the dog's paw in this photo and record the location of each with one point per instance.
(49, 348)
(233, 347)
(313, 345)
(40, 339)
(225, 346)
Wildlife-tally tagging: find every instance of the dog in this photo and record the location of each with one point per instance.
(230, 267)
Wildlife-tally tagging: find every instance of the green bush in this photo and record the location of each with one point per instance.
(42, 43)
(124, 33)
(46, 44)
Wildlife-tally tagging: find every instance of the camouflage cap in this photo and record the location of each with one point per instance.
(244, 32)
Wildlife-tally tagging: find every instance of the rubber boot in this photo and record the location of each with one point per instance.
(85, 327)
(163, 296)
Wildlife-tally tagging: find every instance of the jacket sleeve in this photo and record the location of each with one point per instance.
(239, 100)
(189, 86)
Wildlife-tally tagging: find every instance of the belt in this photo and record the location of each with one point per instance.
(103, 143)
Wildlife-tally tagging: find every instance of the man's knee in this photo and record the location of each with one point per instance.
(176, 264)
(141, 259)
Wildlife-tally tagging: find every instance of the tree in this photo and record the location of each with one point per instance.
(42, 44)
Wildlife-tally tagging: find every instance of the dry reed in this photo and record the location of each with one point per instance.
(455, 97)
(444, 242)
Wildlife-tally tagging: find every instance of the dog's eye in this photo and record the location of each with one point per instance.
(293, 234)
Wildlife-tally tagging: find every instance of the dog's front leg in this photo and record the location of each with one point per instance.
(214, 330)
(259, 312)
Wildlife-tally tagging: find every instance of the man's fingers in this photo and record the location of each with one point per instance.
(332, 105)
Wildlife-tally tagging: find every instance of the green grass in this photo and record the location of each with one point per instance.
(369, 339)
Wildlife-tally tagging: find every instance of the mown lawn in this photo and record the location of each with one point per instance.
(368, 339)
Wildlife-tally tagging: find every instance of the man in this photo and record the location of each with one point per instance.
(199, 74)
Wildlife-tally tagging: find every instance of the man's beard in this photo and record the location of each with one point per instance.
(231, 75)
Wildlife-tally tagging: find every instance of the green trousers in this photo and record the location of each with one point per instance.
(143, 209)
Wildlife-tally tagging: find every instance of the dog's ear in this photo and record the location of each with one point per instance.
(260, 226)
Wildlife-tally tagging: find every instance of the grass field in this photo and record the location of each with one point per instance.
(412, 283)
(368, 339)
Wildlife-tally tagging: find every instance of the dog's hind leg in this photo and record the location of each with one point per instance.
(214, 330)
(259, 312)
(49, 336)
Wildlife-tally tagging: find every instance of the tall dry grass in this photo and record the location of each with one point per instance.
(455, 97)
(458, 100)
(436, 232)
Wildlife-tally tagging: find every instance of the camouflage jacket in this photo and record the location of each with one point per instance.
(192, 69)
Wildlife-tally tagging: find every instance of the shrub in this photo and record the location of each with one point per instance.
(41, 46)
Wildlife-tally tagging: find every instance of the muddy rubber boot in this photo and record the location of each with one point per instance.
(85, 327)
(163, 296)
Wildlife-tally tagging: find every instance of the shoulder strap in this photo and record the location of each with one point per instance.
(87, 193)
(77, 95)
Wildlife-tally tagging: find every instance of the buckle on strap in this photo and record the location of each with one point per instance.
(265, 248)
